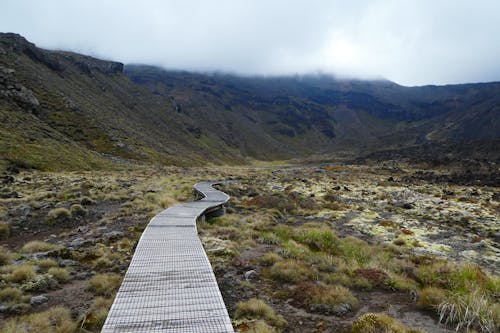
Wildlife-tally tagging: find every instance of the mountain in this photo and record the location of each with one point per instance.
(62, 110)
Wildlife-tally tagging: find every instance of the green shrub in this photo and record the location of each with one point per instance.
(353, 248)
(319, 239)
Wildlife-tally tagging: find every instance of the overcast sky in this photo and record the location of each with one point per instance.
(411, 42)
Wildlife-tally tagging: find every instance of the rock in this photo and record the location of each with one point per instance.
(249, 274)
(67, 262)
(113, 235)
(37, 300)
(78, 242)
(3, 308)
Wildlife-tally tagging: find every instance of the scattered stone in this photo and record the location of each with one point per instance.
(37, 300)
(249, 274)
(113, 235)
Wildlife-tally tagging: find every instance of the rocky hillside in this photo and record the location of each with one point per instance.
(62, 110)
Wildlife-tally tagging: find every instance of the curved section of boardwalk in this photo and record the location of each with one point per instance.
(170, 285)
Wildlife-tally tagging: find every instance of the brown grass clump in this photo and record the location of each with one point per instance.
(430, 298)
(379, 323)
(54, 320)
(45, 264)
(6, 257)
(4, 230)
(257, 309)
(96, 316)
(60, 274)
(60, 214)
(292, 271)
(388, 224)
(336, 300)
(11, 295)
(78, 210)
(104, 284)
(38, 246)
(375, 276)
(20, 274)
(269, 259)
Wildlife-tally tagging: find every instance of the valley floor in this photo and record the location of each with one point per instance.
(330, 248)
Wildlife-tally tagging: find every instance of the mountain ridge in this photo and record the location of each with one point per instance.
(63, 110)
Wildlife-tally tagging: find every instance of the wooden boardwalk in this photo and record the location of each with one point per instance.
(169, 285)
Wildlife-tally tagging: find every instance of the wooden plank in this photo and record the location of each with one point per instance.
(170, 285)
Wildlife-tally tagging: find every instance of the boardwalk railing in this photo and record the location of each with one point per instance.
(169, 285)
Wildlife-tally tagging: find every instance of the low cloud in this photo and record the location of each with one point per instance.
(412, 42)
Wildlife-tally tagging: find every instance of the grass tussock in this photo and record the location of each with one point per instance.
(380, 323)
(96, 316)
(54, 320)
(430, 298)
(20, 274)
(291, 271)
(59, 215)
(104, 284)
(78, 210)
(257, 309)
(474, 310)
(333, 300)
(11, 295)
(39, 246)
(6, 257)
(4, 230)
(61, 275)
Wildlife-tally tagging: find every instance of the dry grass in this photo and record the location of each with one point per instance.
(257, 309)
(11, 295)
(78, 210)
(104, 284)
(430, 298)
(4, 230)
(291, 271)
(325, 299)
(57, 215)
(6, 257)
(380, 323)
(38, 246)
(54, 320)
(60, 274)
(472, 310)
(20, 274)
(96, 316)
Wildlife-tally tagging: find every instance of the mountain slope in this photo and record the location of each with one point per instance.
(62, 110)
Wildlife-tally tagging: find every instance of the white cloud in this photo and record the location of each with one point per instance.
(409, 41)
